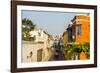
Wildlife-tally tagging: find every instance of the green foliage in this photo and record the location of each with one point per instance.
(65, 47)
(27, 26)
(75, 49)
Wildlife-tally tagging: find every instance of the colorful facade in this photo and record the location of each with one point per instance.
(79, 29)
(69, 30)
(78, 33)
(65, 37)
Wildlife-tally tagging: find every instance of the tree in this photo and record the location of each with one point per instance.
(27, 26)
(75, 49)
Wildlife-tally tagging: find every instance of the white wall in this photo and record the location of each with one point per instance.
(5, 36)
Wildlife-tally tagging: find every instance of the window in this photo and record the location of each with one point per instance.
(78, 29)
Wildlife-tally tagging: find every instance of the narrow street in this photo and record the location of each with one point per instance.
(57, 53)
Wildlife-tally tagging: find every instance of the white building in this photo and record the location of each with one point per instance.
(39, 49)
(38, 34)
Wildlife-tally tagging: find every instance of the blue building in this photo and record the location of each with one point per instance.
(69, 30)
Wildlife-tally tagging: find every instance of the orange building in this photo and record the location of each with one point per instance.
(82, 56)
(80, 28)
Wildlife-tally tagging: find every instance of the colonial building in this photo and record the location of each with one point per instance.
(77, 34)
(79, 29)
(39, 49)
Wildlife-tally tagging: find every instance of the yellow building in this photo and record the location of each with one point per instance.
(65, 37)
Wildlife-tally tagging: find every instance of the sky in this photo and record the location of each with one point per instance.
(55, 23)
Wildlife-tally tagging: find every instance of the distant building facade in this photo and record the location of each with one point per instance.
(65, 38)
